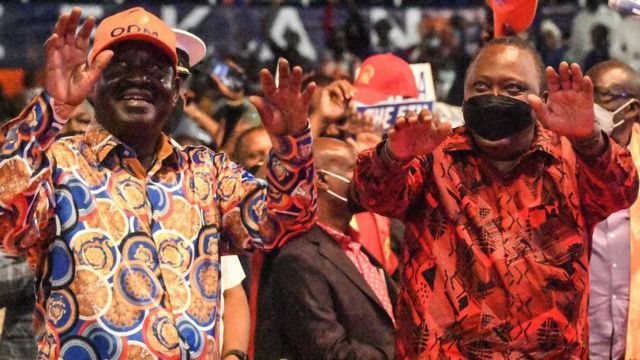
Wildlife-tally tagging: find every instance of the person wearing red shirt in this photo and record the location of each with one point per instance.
(499, 212)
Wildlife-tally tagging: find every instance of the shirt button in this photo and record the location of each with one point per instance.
(614, 265)
(614, 297)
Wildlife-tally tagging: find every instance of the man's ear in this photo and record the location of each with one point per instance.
(176, 90)
(544, 96)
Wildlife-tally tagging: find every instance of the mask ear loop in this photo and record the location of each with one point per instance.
(622, 107)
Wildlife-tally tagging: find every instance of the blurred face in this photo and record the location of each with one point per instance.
(508, 71)
(337, 173)
(80, 118)
(613, 88)
(254, 149)
(137, 90)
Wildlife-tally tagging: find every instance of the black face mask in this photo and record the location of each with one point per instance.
(495, 117)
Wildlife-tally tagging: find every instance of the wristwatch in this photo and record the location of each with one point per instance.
(241, 355)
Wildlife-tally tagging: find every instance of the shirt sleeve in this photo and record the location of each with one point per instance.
(231, 273)
(607, 183)
(387, 190)
(263, 215)
(25, 175)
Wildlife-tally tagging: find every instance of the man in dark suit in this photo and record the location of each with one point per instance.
(326, 298)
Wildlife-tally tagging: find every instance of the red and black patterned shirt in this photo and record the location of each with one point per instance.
(495, 266)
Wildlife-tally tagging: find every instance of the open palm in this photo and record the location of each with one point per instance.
(417, 135)
(569, 107)
(68, 80)
(284, 108)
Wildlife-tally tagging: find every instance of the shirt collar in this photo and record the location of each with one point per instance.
(102, 143)
(544, 142)
(344, 240)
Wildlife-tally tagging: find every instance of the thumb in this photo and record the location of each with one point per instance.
(540, 109)
(263, 109)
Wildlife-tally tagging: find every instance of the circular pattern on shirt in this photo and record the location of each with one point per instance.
(92, 292)
(122, 318)
(253, 212)
(185, 219)
(140, 247)
(82, 197)
(205, 277)
(95, 179)
(162, 204)
(199, 185)
(49, 343)
(110, 219)
(137, 285)
(61, 274)
(169, 180)
(160, 334)
(177, 288)
(194, 337)
(208, 241)
(76, 348)
(64, 156)
(138, 351)
(203, 313)
(66, 210)
(173, 250)
(108, 345)
(62, 310)
(227, 187)
(128, 194)
(94, 248)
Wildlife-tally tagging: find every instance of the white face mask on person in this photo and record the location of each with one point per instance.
(606, 118)
(339, 177)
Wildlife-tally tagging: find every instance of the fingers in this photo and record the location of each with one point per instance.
(72, 26)
(587, 87)
(295, 82)
(283, 74)
(99, 63)
(553, 79)
(576, 77)
(565, 76)
(84, 35)
(267, 82)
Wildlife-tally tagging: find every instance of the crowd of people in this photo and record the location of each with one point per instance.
(155, 205)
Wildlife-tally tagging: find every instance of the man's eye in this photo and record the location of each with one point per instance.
(480, 86)
(514, 89)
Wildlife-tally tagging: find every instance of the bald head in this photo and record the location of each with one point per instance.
(333, 154)
(624, 74)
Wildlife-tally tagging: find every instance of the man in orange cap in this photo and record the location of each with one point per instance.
(125, 228)
(499, 212)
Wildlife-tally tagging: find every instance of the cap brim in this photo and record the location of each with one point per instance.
(368, 96)
(192, 45)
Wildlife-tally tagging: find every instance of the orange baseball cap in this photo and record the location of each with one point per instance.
(134, 24)
(515, 14)
(382, 76)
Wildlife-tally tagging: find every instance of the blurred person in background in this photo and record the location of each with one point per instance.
(79, 119)
(600, 49)
(551, 45)
(327, 297)
(17, 338)
(580, 41)
(614, 302)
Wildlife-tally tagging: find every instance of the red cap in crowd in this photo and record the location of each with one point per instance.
(382, 76)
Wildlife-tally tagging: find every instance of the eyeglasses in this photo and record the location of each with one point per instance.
(606, 96)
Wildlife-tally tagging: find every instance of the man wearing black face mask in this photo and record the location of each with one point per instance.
(329, 299)
(500, 212)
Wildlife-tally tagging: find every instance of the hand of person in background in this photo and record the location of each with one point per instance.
(361, 130)
(68, 79)
(332, 107)
(416, 135)
(232, 94)
(568, 110)
(283, 109)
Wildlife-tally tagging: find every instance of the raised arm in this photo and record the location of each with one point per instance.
(263, 216)
(25, 170)
(390, 176)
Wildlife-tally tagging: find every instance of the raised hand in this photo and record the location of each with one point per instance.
(68, 80)
(334, 100)
(417, 135)
(569, 107)
(283, 109)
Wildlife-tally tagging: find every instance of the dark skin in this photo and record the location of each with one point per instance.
(135, 104)
(338, 157)
(507, 70)
(135, 95)
(614, 84)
